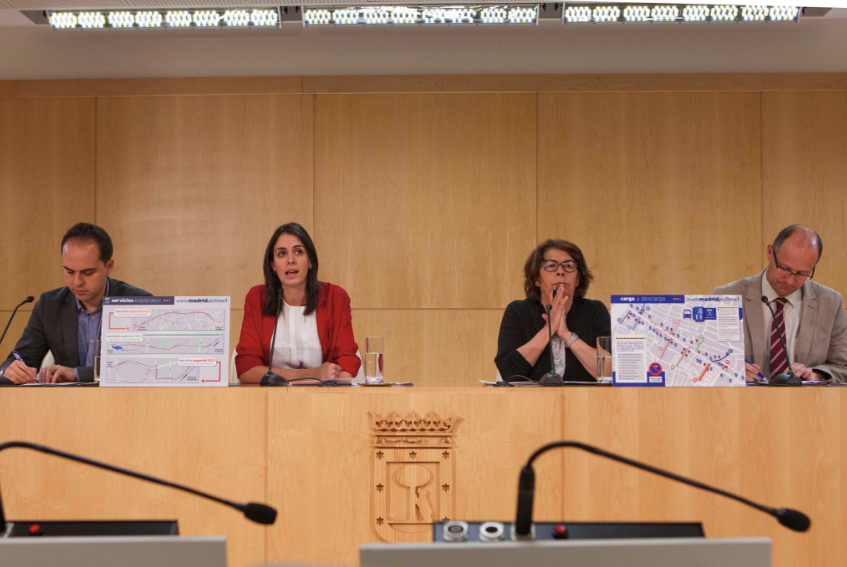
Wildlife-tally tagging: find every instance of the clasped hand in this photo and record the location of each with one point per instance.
(560, 307)
(330, 371)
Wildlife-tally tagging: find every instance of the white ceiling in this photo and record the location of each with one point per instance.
(28, 51)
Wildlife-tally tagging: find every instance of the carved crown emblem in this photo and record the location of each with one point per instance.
(395, 424)
(413, 467)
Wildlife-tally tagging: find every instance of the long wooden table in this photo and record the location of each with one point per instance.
(347, 466)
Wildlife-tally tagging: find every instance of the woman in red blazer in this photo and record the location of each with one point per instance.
(315, 329)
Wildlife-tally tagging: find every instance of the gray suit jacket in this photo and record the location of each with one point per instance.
(54, 325)
(821, 342)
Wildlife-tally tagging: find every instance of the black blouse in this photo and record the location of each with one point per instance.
(523, 319)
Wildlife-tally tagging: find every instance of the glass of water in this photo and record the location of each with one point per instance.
(97, 353)
(604, 359)
(374, 358)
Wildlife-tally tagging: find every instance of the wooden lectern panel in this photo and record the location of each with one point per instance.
(323, 443)
(336, 461)
(210, 439)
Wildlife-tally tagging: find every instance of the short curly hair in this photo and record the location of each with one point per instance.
(532, 268)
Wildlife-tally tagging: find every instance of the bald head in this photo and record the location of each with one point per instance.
(800, 237)
(792, 258)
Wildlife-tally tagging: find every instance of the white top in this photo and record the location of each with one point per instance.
(297, 342)
(790, 315)
(560, 355)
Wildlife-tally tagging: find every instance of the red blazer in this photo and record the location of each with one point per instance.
(335, 330)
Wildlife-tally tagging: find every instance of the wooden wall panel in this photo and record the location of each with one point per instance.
(661, 191)
(191, 188)
(170, 86)
(236, 316)
(15, 331)
(805, 173)
(425, 201)
(212, 440)
(433, 347)
(329, 514)
(524, 83)
(46, 186)
(583, 82)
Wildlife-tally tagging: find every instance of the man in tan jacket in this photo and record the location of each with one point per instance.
(810, 316)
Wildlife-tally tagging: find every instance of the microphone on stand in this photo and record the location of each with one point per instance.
(259, 513)
(29, 299)
(792, 519)
(786, 378)
(551, 378)
(272, 378)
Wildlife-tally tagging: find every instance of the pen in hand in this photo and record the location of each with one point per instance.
(20, 359)
(758, 372)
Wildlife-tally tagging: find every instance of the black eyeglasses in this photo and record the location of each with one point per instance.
(569, 266)
(798, 276)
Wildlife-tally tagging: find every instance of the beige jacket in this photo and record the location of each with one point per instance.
(821, 342)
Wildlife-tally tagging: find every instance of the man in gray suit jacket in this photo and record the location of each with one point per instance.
(810, 316)
(66, 321)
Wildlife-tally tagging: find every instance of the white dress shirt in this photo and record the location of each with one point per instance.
(297, 342)
(790, 315)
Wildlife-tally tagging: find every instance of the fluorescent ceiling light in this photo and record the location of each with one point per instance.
(629, 13)
(423, 15)
(200, 18)
(505, 14)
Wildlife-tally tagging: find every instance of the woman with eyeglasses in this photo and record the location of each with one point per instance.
(311, 319)
(555, 274)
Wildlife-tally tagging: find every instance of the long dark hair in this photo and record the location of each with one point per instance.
(532, 268)
(273, 286)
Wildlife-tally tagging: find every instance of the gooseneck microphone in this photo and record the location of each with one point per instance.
(792, 519)
(272, 378)
(786, 378)
(259, 513)
(29, 299)
(551, 378)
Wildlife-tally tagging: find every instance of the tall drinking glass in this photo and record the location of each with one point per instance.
(97, 353)
(374, 353)
(604, 359)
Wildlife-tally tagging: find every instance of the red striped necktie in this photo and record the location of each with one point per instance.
(779, 363)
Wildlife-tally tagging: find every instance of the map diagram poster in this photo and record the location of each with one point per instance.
(165, 341)
(677, 340)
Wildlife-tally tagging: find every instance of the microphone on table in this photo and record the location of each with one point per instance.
(792, 519)
(29, 299)
(259, 513)
(272, 378)
(786, 378)
(551, 378)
